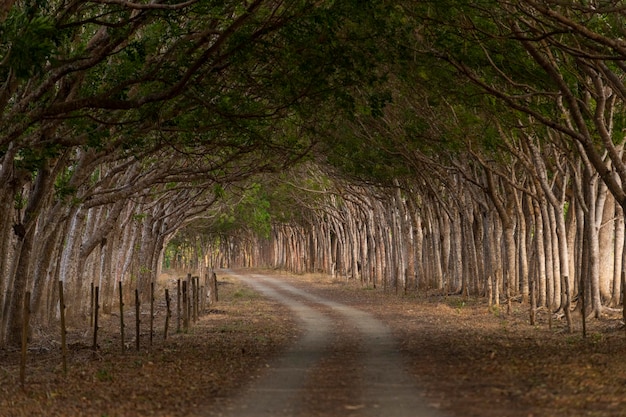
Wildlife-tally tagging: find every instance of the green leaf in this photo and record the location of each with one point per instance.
(28, 42)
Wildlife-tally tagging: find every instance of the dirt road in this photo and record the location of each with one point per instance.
(346, 363)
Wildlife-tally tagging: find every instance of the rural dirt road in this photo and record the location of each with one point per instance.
(345, 363)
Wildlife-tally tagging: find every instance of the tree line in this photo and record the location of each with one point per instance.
(493, 164)
(121, 121)
(475, 147)
(448, 238)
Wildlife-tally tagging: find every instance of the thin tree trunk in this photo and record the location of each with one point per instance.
(541, 286)
(618, 253)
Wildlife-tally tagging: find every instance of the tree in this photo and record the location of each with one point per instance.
(108, 103)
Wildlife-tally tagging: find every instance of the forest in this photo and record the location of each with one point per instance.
(463, 147)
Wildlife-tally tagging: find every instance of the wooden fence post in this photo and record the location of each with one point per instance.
(533, 301)
(91, 305)
(185, 308)
(213, 283)
(25, 320)
(202, 300)
(168, 313)
(178, 306)
(151, 311)
(95, 318)
(623, 297)
(121, 315)
(198, 294)
(194, 309)
(63, 330)
(207, 287)
(137, 318)
(189, 302)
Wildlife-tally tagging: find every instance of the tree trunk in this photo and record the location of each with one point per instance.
(607, 223)
(523, 254)
(541, 288)
(20, 276)
(618, 254)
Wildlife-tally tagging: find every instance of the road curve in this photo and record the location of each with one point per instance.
(366, 380)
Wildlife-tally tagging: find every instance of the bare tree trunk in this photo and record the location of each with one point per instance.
(418, 241)
(522, 249)
(445, 249)
(555, 241)
(44, 270)
(20, 276)
(592, 202)
(457, 274)
(541, 288)
(11, 183)
(607, 224)
(497, 261)
(618, 252)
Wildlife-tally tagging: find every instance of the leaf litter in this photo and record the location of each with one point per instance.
(468, 359)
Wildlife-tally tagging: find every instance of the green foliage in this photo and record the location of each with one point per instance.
(28, 40)
(265, 89)
(140, 217)
(251, 212)
(378, 101)
(374, 158)
(296, 189)
(245, 294)
(19, 201)
(495, 310)
(32, 159)
(103, 375)
(62, 189)
(255, 208)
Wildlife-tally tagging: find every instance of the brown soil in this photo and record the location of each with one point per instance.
(470, 360)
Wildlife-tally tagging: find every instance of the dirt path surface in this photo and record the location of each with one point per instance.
(346, 363)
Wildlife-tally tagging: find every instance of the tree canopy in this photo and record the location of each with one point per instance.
(124, 122)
